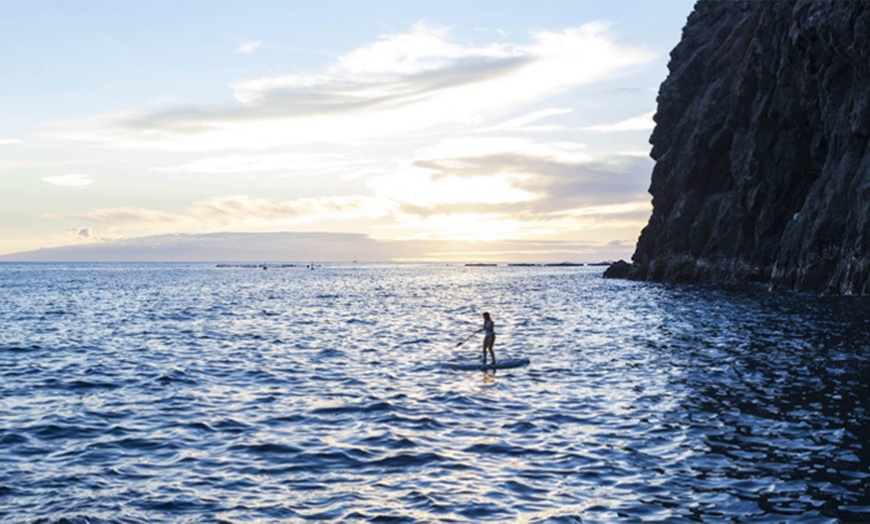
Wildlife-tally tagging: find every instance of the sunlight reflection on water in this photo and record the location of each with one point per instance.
(183, 392)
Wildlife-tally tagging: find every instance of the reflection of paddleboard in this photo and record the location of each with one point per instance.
(505, 363)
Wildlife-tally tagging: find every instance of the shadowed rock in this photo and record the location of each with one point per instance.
(762, 149)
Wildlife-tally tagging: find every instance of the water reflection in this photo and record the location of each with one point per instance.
(164, 392)
(775, 393)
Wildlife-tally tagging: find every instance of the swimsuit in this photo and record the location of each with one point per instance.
(489, 328)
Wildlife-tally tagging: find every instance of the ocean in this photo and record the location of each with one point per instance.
(198, 393)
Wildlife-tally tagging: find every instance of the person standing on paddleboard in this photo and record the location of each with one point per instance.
(488, 337)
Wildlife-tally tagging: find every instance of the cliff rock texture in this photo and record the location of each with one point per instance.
(762, 149)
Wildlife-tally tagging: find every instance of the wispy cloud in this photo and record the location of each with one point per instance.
(248, 47)
(399, 84)
(642, 122)
(522, 123)
(10, 141)
(237, 212)
(122, 217)
(70, 180)
(501, 32)
(286, 164)
(498, 188)
(544, 176)
(477, 188)
(250, 212)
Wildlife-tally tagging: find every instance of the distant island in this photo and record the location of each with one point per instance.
(261, 266)
(539, 264)
(761, 146)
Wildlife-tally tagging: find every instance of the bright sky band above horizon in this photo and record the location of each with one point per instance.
(509, 130)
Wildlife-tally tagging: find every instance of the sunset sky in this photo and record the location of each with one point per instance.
(497, 130)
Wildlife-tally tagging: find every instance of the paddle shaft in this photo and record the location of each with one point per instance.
(466, 339)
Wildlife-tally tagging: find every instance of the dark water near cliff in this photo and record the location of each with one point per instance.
(190, 393)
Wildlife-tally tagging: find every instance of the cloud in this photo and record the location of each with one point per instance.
(241, 211)
(423, 49)
(490, 188)
(424, 185)
(288, 164)
(642, 122)
(70, 180)
(10, 142)
(480, 188)
(78, 235)
(122, 217)
(521, 123)
(517, 174)
(248, 47)
(501, 32)
(401, 83)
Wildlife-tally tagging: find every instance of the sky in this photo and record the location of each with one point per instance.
(504, 130)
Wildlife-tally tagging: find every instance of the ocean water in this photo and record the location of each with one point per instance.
(193, 393)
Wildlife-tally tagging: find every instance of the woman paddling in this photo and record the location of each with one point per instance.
(488, 330)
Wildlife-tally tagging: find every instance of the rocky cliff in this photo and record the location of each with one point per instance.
(762, 149)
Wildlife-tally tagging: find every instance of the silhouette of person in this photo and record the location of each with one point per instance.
(488, 330)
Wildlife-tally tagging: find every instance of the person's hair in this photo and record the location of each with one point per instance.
(486, 316)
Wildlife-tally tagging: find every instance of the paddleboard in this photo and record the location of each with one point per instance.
(505, 363)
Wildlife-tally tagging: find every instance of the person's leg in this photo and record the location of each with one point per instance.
(487, 346)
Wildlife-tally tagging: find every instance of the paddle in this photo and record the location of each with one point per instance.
(466, 339)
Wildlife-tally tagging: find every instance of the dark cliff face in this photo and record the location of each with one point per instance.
(762, 149)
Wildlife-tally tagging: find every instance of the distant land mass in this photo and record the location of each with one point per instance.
(312, 247)
(211, 247)
(762, 150)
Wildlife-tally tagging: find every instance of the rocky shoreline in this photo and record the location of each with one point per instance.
(762, 150)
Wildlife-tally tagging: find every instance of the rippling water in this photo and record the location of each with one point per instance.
(194, 393)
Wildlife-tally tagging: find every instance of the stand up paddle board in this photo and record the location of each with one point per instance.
(505, 363)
